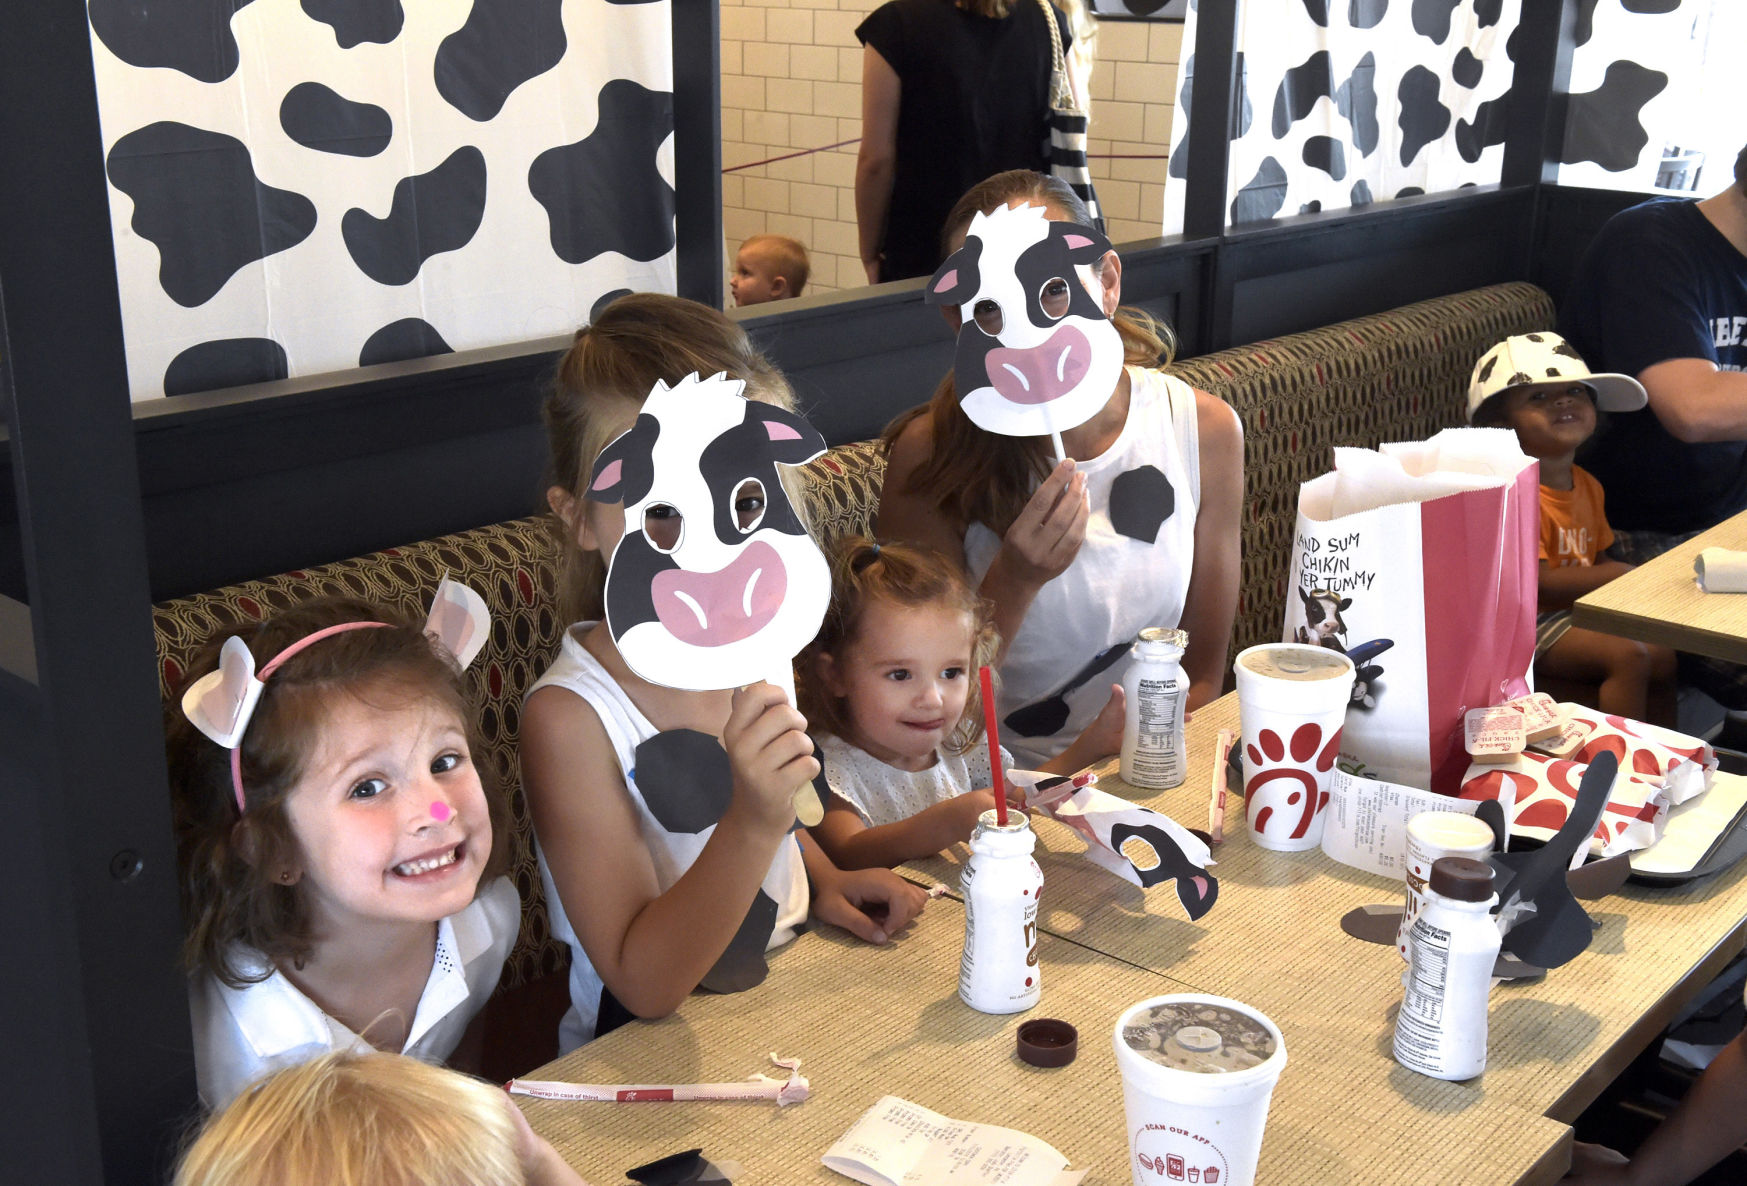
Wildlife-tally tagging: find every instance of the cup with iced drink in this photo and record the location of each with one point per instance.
(1292, 701)
(1197, 1075)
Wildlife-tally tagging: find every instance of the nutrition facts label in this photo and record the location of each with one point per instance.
(1157, 749)
(1422, 1011)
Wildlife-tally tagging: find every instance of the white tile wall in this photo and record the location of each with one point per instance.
(791, 83)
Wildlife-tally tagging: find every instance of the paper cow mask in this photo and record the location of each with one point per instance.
(1036, 354)
(715, 583)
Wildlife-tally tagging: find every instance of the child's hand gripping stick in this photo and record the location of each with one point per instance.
(808, 809)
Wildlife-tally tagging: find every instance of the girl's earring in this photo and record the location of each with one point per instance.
(286, 876)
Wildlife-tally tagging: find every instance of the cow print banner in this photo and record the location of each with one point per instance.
(307, 186)
(1345, 102)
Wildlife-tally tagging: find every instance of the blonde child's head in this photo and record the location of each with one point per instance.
(769, 268)
(247, 872)
(359, 1119)
(868, 579)
(602, 381)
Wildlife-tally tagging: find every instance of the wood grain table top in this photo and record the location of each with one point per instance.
(1660, 602)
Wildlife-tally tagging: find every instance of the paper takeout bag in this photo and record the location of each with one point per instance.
(1432, 549)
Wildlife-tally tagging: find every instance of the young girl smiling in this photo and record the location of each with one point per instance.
(891, 691)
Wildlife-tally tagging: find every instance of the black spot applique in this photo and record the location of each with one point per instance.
(1262, 196)
(192, 36)
(1179, 163)
(410, 337)
(1318, 12)
(1466, 69)
(1605, 125)
(197, 200)
(686, 782)
(322, 119)
(1487, 12)
(684, 778)
(1048, 715)
(1567, 350)
(1328, 154)
(1300, 87)
(1410, 191)
(1488, 127)
(1366, 14)
(1357, 101)
(583, 185)
(1486, 367)
(431, 213)
(1311, 207)
(503, 44)
(356, 21)
(1140, 501)
(1431, 18)
(1423, 117)
(227, 362)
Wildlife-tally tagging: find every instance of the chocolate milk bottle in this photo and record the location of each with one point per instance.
(999, 972)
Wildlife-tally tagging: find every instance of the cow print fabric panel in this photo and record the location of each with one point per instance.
(304, 187)
(1366, 99)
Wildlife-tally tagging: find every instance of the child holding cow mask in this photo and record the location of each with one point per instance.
(1136, 527)
(668, 863)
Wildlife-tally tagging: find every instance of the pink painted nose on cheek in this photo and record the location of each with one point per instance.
(441, 812)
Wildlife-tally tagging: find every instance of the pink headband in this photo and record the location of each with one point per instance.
(272, 666)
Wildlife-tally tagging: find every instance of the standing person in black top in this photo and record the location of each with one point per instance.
(950, 94)
(1661, 295)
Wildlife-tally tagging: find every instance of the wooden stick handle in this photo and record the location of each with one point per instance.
(808, 809)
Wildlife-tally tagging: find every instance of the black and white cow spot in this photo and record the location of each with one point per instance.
(1179, 163)
(355, 22)
(431, 213)
(1140, 501)
(582, 185)
(1431, 18)
(1487, 12)
(1605, 125)
(230, 362)
(1314, 206)
(1328, 154)
(606, 298)
(1300, 88)
(1262, 195)
(1357, 100)
(1317, 10)
(1360, 194)
(410, 337)
(197, 199)
(192, 36)
(1423, 117)
(320, 118)
(1488, 127)
(503, 44)
(1410, 191)
(1486, 368)
(1366, 14)
(1465, 71)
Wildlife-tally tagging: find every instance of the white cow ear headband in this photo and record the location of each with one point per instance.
(222, 702)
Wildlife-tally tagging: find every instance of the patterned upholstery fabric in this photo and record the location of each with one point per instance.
(514, 567)
(1395, 376)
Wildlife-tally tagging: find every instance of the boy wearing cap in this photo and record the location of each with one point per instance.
(1538, 386)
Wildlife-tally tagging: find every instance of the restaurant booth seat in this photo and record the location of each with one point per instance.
(1398, 375)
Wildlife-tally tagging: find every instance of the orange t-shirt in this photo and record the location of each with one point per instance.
(1574, 529)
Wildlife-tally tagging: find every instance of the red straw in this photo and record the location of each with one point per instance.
(994, 744)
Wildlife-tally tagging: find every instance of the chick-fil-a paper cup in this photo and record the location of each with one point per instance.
(1198, 1073)
(1292, 702)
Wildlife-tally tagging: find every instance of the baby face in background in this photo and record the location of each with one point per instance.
(1550, 419)
(904, 680)
(757, 276)
(390, 817)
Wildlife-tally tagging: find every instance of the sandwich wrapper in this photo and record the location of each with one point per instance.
(1721, 570)
(1685, 766)
(1537, 792)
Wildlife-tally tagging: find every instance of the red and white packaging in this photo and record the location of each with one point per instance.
(1684, 765)
(1493, 735)
(1536, 793)
(1542, 717)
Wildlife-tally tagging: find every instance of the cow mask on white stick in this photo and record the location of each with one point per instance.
(1036, 352)
(715, 583)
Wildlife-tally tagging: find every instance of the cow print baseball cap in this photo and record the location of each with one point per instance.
(1546, 357)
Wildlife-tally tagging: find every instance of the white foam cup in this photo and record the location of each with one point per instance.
(1291, 732)
(1208, 1120)
(1432, 835)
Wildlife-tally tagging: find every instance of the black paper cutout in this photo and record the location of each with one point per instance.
(1046, 716)
(357, 21)
(191, 36)
(1300, 87)
(1262, 195)
(1423, 117)
(685, 779)
(1197, 888)
(1431, 18)
(742, 965)
(1141, 499)
(1558, 929)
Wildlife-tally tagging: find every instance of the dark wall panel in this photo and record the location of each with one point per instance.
(1566, 223)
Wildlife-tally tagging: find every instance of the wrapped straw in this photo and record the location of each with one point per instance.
(759, 1087)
